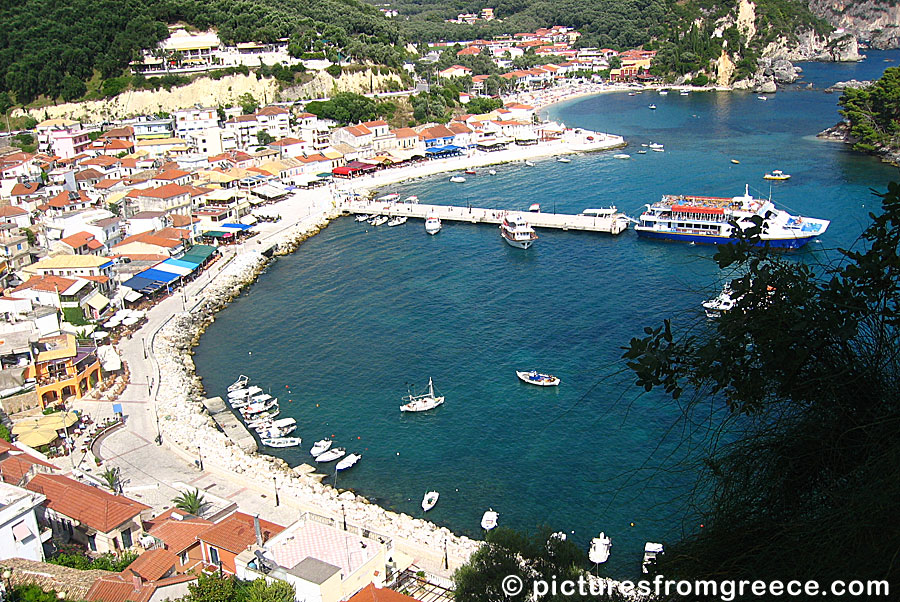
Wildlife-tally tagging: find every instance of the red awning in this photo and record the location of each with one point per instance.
(705, 210)
(345, 170)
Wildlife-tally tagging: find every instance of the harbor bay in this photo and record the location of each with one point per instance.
(339, 329)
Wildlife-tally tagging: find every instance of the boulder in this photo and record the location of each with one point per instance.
(767, 87)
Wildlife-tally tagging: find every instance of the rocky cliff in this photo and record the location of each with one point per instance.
(874, 20)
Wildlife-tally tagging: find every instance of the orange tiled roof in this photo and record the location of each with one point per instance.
(50, 284)
(88, 505)
(120, 587)
(166, 191)
(171, 174)
(370, 593)
(178, 535)
(153, 564)
(63, 200)
(10, 211)
(236, 532)
(149, 238)
(272, 111)
(13, 468)
(29, 188)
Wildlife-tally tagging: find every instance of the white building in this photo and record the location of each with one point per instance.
(195, 119)
(20, 536)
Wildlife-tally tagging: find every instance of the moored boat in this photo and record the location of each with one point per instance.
(457, 179)
(430, 499)
(652, 107)
(777, 174)
(282, 442)
(240, 383)
(321, 447)
(535, 208)
(432, 224)
(257, 407)
(388, 198)
(652, 551)
(424, 402)
(600, 546)
(471, 171)
(714, 220)
(529, 163)
(517, 232)
(411, 199)
(380, 220)
(621, 156)
(347, 462)
(720, 304)
(331, 455)
(397, 221)
(655, 145)
(563, 160)
(534, 377)
(492, 172)
(489, 519)
(363, 217)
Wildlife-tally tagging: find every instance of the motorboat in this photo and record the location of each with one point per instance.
(331, 455)
(282, 442)
(652, 107)
(642, 152)
(457, 179)
(424, 402)
(535, 208)
(600, 546)
(241, 393)
(763, 97)
(471, 171)
(684, 92)
(363, 217)
(663, 92)
(380, 220)
(644, 144)
(517, 232)
(651, 552)
(398, 221)
(258, 407)
(777, 174)
(492, 172)
(655, 145)
(389, 198)
(529, 163)
(658, 150)
(263, 398)
(536, 378)
(631, 94)
(411, 199)
(489, 519)
(432, 224)
(274, 432)
(281, 423)
(348, 462)
(263, 420)
(321, 447)
(563, 160)
(240, 383)
(621, 156)
(722, 303)
(735, 161)
(430, 499)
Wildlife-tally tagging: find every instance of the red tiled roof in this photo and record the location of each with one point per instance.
(404, 133)
(272, 111)
(122, 132)
(88, 505)
(150, 239)
(154, 564)
(287, 142)
(242, 119)
(107, 183)
(50, 284)
(173, 233)
(29, 188)
(437, 131)
(370, 593)
(77, 240)
(63, 200)
(458, 128)
(120, 587)
(357, 130)
(171, 174)
(166, 191)
(236, 532)
(374, 124)
(178, 535)
(182, 220)
(14, 467)
(10, 211)
(470, 50)
(101, 160)
(93, 245)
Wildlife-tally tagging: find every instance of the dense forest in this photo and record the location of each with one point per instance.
(874, 112)
(51, 48)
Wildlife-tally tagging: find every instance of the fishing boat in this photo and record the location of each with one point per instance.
(274, 432)
(380, 220)
(363, 217)
(599, 552)
(282, 442)
(651, 552)
(536, 378)
(535, 208)
(777, 174)
(264, 419)
(240, 383)
(471, 171)
(762, 97)
(348, 462)
(642, 152)
(529, 163)
(321, 447)
(432, 224)
(430, 499)
(658, 150)
(388, 198)
(652, 107)
(489, 519)
(331, 455)
(714, 220)
(248, 392)
(563, 160)
(397, 221)
(663, 92)
(720, 304)
(457, 179)
(655, 145)
(424, 402)
(258, 407)
(517, 232)
(411, 199)
(684, 92)
(621, 156)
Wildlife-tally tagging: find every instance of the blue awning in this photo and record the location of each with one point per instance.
(137, 283)
(239, 226)
(158, 275)
(179, 263)
(117, 408)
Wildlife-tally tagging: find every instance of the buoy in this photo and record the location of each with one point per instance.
(249, 353)
(317, 405)
(632, 524)
(359, 437)
(286, 386)
(701, 525)
(398, 453)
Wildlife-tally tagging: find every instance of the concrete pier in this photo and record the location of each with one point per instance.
(230, 424)
(615, 223)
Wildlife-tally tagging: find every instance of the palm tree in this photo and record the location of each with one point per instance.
(190, 501)
(111, 476)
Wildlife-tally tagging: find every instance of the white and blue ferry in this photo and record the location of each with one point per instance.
(711, 220)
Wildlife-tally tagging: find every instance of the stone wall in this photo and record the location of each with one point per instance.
(19, 403)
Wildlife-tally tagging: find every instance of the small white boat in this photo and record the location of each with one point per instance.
(777, 174)
(621, 156)
(240, 383)
(331, 455)
(457, 179)
(363, 217)
(631, 94)
(536, 378)
(397, 221)
(645, 145)
(642, 152)
(517, 232)
(430, 499)
(492, 172)
(600, 546)
(241, 393)
(651, 552)
(762, 98)
(652, 107)
(529, 163)
(282, 442)
(563, 160)
(658, 150)
(389, 197)
(265, 397)
(655, 145)
(424, 402)
(274, 432)
(489, 519)
(321, 447)
(684, 92)
(432, 224)
(722, 303)
(663, 92)
(380, 220)
(257, 408)
(535, 208)
(263, 420)
(347, 462)
(411, 199)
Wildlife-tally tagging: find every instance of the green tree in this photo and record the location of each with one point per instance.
(4, 433)
(260, 591)
(248, 103)
(6, 103)
(264, 138)
(191, 502)
(110, 476)
(72, 88)
(806, 366)
(211, 588)
(615, 62)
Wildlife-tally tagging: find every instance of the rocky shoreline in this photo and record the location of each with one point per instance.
(185, 425)
(841, 133)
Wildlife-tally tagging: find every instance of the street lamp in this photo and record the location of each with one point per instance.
(275, 480)
(200, 457)
(144, 345)
(344, 516)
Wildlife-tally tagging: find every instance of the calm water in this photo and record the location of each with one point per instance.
(338, 329)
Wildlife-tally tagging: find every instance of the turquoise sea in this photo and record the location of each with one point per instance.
(339, 329)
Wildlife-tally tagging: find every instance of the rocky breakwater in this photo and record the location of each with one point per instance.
(769, 74)
(186, 425)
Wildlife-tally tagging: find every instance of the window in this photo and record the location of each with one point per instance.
(214, 555)
(127, 542)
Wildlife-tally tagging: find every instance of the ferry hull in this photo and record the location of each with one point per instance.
(781, 243)
(519, 244)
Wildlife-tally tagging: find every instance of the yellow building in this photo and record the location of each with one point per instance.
(62, 369)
